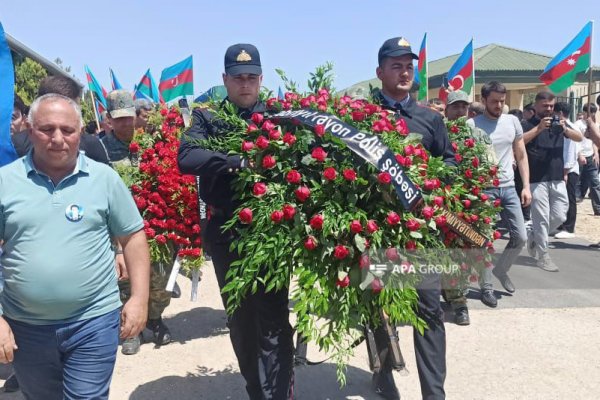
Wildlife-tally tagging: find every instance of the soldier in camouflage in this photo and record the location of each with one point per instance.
(121, 115)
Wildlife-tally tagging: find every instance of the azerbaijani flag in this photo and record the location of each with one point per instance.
(95, 87)
(561, 72)
(280, 95)
(7, 90)
(114, 81)
(421, 75)
(461, 74)
(177, 80)
(147, 89)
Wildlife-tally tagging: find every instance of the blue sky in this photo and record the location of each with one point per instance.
(296, 36)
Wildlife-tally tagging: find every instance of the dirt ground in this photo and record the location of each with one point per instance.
(587, 225)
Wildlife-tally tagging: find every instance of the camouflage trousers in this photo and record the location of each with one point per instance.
(455, 296)
(159, 298)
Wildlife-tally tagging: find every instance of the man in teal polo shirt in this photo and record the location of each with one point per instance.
(59, 211)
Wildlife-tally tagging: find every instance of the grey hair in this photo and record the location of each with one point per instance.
(142, 104)
(53, 97)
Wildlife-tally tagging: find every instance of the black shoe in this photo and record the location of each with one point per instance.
(488, 298)
(132, 345)
(384, 385)
(461, 316)
(176, 293)
(505, 281)
(161, 334)
(11, 384)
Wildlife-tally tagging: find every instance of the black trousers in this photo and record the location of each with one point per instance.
(569, 224)
(430, 348)
(260, 333)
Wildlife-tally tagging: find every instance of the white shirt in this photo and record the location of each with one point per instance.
(586, 146)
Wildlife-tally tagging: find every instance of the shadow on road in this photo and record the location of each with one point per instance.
(199, 322)
(312, 383)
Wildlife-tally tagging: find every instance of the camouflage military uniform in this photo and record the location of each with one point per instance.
(119, 155)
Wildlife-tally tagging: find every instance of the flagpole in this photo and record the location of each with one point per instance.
(590, 70)
(95, 110)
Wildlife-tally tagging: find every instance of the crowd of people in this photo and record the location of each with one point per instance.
(62, 338)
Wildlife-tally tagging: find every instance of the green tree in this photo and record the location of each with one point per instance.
(28, 75)
(87, 108)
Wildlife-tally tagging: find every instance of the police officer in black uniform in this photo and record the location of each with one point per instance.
(396, 72)
(259, 329)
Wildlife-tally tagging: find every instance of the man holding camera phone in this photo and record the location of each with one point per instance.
(544, 136)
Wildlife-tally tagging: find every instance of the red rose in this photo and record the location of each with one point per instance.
(257, 118)
(344, 282)
(440, 221)
(428, 185)
(150, 232)
(411, 245)
(493, 170)
(458, 157)
(376, 285)
(293, 177)
(392, 254)
(340, 252)
(357, 116)
(251, 128)
(467, 203)
(349, 174)
(454, 129)
(355, 226)
(259, 189)
(497, 235)
(268, 126)
(274, 134)
(497, 203)
(475, 162)
(409, 150)
(277, 216)
(319, 154)
(427, 212)
(484, 197)
(393, 218)
(401, 127)
(316, 222)
(245, 215)
(134, 147)
(330, 173)
(262, 142)
(364, 261)
(474, 218)
(487, 220)
(464, 266)
(384, 178)
(268, 162)
(163, 111)
(302, 193)
(372, 226)
(310, 243)
(247, 146)
(469, 173)
(288, 212)
(160, 239)
(413, 225)
(454, 146)
(470, 143)
(400, 159)
(496, 182)
(475, 191)
(320, 130)
(289, 139)
(438, 201)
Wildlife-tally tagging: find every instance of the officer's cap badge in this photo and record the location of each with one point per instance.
(403, 42)
(243, 57)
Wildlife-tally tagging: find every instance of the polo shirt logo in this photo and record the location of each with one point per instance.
(74, 212)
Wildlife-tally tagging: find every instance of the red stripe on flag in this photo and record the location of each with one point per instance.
(563, 67)
(465, 73)
(184, 77)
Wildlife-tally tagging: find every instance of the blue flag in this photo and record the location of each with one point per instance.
(114, 81)
(280, 95)
(7, 94)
